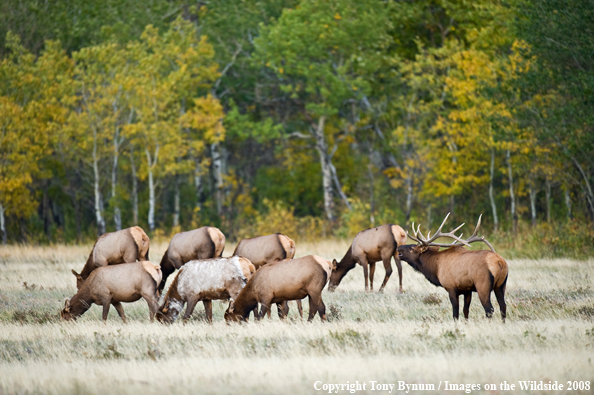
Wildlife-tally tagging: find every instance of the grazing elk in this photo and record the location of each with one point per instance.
(124, 246)
(115, 284)
(204, 280)
(202, 243)
(368, 247)
(291, 279)
(267, 249)
(458, 270)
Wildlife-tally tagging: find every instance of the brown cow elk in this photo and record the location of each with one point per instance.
(202, 243)
(291, 279)
(111, 285)
(204, 280)
(458, 270)
(268, 249)
(368, 247)
(124, 246)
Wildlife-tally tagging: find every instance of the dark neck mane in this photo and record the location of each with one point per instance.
(427, 264)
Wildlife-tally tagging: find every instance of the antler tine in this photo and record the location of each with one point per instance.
(438, 230)
(474, 236)
(455, 241)
(413, 237)
(478, 225)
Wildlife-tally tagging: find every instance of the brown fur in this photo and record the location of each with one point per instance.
(267, 249)
(291, 279)
(461, 272)
(202, 243)
(124, 246)
(368, 247)
(115, 284)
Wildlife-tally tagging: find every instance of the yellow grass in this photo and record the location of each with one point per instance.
(371, 337)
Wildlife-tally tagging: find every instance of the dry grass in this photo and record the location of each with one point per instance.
(382, 337)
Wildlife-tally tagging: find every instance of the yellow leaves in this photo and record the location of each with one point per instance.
(337, 16)
(281, 70)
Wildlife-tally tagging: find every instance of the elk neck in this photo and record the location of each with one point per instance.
(428, 264)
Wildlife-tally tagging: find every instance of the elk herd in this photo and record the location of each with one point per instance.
(263, 271)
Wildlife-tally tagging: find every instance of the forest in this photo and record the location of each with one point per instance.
(313, 118)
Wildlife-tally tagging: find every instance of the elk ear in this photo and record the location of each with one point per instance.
(334, 264)
(67, 305)
(231, 306)
(77, 275)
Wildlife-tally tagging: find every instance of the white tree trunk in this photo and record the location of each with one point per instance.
(151, 164)
(548, 197)
(409, 195)
(2, 224)
(134, 189)
(511, 193)
(491, 192)
(199, 186)
(96, 188)
(176, 203)
(117, 215)
(218, 171)
(322, 149)
(532, 193)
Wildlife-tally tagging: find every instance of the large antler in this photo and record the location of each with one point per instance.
(429, 241)
(474, 237)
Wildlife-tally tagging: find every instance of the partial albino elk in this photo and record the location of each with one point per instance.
(204, 280)
(291, 279)
(458, 270)
(111, 285)
(267, 249)
(124, 246)
(368, 247)
(202, 243)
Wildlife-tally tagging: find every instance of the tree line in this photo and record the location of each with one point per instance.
(334, 115)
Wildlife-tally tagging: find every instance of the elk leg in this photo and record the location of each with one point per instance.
(455, 303)
(388, 267)
(371, 274)
(363, 262)
(167, 269)
(279, 308)
(106, 304)
(153, 305)
(283, 309)
(485, 297)
(399, 267)
(208, 310)
(120, 310)
(300, 308)
(467, 299)
(265, 309)
(316, 305)
(500, 295)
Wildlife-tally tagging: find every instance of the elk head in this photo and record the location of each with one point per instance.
(411, 253)
(65, 314)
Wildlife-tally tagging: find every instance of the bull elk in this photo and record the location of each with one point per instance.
(458, 270)
(124, 246)
(202, 243)
(368, 247)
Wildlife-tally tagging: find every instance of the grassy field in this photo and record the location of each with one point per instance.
(384, 338)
